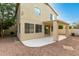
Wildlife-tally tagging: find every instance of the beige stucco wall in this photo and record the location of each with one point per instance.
(18, 22)
(62, 31)
(76, 31)
(27, 15)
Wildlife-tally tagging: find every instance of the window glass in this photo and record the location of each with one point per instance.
(38, 28)
(19, 28)
(50, 16)
(70, 27)
(37, 11)
(29, 28)
(60, 27)
(51, 28)
(53, 17)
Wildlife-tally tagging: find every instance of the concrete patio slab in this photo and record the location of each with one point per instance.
(38, 42)
(41, 41)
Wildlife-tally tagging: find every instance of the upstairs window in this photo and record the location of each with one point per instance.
(50, 16)
(37, 11)
(54, 17)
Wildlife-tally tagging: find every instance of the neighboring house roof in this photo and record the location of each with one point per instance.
(61, 21)
(51, 8)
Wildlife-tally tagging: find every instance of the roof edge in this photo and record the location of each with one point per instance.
(51, 8)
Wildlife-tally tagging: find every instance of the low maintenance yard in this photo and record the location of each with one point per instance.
(12, 47)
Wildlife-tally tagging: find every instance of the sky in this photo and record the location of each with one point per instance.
(68, 12)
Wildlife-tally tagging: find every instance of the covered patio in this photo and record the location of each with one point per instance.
(56, 33)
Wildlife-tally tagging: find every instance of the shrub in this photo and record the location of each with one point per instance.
(12, 33)
(60, 27)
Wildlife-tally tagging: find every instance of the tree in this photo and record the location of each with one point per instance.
(78, 26)
(75, 25)
(7, 16)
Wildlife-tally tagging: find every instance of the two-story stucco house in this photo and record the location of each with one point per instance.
(37, 20)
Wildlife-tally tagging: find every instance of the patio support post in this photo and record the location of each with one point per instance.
(55, 30)
(67, 31)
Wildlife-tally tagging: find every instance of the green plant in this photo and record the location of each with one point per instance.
(70, 27)
(60, 27)
(12, 33)
(7, 16)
